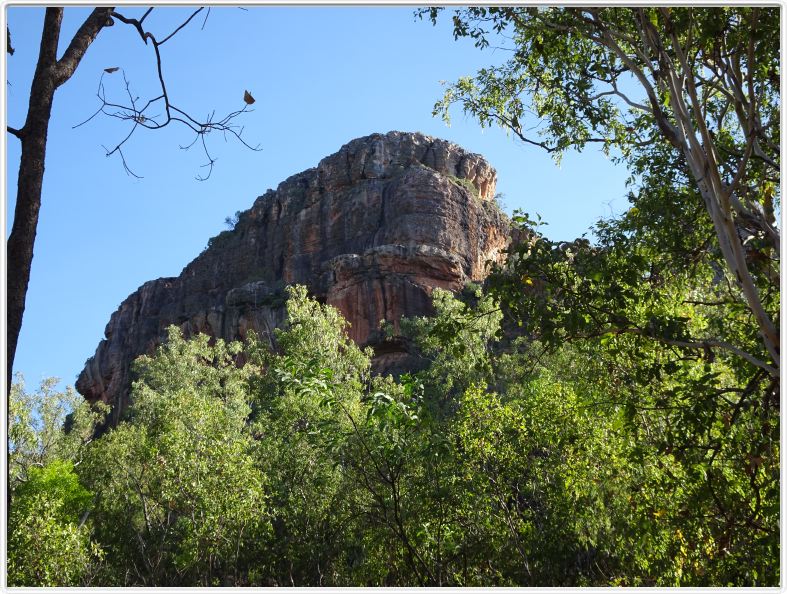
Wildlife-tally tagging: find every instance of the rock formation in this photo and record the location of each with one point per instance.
(371, 230)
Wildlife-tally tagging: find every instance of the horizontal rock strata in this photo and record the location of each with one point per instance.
(371, 230)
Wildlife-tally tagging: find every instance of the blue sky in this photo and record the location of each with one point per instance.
(320, 76)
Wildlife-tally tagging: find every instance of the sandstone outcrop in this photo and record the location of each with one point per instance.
(371, 230)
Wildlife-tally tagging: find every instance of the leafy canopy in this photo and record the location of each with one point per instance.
(687, 98)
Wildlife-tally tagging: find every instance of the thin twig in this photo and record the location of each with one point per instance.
(171, 113)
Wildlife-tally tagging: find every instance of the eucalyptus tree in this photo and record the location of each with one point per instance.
(686, 97)
(675, 306)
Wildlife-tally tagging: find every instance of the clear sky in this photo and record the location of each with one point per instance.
(320, 76)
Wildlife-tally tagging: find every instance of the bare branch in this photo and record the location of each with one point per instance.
(144, 16)
(130, 110)
(134, 23)
(118, 150)
(210, 162)
(625, 98)
(122, 142)
(183, 24)
(18, 133)
(98, 111)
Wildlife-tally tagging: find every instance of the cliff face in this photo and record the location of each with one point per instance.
(371, 230)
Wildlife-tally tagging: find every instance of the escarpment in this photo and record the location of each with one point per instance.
(371, 230)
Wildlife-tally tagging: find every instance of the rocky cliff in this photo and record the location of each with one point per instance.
(371, 230)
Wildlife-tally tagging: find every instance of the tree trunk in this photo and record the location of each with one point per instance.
(31, 176)
(50, 73)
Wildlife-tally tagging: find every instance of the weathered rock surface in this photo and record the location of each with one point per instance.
(371, 230)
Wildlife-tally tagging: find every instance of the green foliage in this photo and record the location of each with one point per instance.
(608, 414)
(653, 87)
(304, 402)
(640, 279)
(59, 481)
(465, 184)
(180, 498)
(49, 543)
(456, 343)
(44, 549)
(232, 222)
(663, 306)
(518, 459)
(36, 423)
(656, 328)
(558, 457)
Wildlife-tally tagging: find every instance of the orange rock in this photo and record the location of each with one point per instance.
(371, 230)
